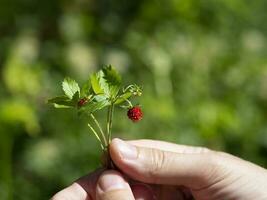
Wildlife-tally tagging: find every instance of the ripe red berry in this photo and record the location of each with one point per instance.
(135, 114)
(82, 102)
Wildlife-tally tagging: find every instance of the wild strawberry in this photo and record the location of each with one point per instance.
(135, 114)
(82, 102)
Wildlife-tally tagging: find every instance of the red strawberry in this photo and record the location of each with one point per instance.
(82, 102)
(135, 114)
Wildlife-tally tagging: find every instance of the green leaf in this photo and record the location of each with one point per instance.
(61, 102)
(98, 102)
(70, 87)
(86, 89)
(98, 83)
(107, 81)
(122, 98)
(113, 80)
(61, 106)
(111, 76)
(100, 98)
(75, 98)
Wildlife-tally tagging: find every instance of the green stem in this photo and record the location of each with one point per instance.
(100, 129)
(109, 121)
(97, 136)
(130, 104)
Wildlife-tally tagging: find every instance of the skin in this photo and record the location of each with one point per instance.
(150, 169)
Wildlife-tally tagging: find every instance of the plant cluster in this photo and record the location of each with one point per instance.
(103, 90)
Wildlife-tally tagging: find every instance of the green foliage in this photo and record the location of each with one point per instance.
(98, 83)
(106, 84)
(97, 102)
(107, 81)
(70, 87)
(86, 89)
(61, 102)
(105, 93)
(122, 97)
(113, 81)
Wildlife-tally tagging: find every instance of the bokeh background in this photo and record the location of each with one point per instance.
(202, 64)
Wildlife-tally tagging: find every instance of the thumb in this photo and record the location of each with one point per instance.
(155, 165)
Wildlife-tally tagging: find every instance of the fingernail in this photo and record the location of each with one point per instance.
(111, 181)
(126, 150)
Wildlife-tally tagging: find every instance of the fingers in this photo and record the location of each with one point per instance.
(82, 189)
(73, 192)
(152, 165)
(89, 186)
(112, 186)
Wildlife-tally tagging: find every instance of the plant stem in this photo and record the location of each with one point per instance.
(109, 121)
(130, 104)
(97, 136)
(100, 129)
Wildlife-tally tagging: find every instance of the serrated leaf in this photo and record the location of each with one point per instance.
(101, 98)
(98, 102)
(96, 106)
(70, 87)
(111, 75)
(107, 81)
(86, 89)
(98, 83)
(61, 102)
(113, 80)
(75, 98)
(122, 98)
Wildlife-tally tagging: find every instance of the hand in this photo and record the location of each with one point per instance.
(207, 174)
(203, 173)
(104, 185)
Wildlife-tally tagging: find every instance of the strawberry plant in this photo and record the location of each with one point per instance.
(103, 90)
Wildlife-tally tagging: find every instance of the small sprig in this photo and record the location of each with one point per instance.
(102, 90)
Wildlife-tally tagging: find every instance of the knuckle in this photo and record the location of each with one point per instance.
(158, 163)
(215, 170)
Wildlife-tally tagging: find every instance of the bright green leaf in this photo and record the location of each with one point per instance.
(111, 76)
(98, 83)
(61, 102)
(123, 98)
(70, 87)
(98, 102)
(113, 80)
(86, 89)
(107, 81)
(61, 106)
(75, 98)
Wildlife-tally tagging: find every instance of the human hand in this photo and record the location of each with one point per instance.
(204, 173)
(207, 174)
(104, 185)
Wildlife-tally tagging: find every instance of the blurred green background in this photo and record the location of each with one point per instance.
(202, 64)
